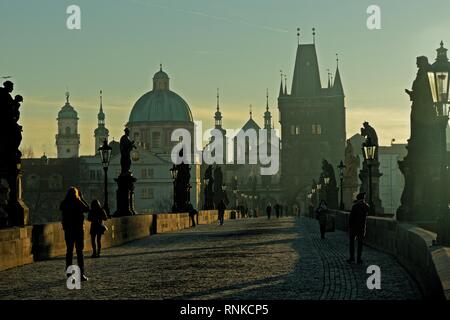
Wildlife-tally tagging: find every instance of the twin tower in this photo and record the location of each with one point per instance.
(68, 138)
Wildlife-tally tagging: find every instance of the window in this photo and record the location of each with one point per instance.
(292, 130)
(316, 129)
(156, 139)
(147, 173)
(147, 193)
(92, 175)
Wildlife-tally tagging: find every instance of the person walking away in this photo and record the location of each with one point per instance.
(277, 210)
(192, 213)
(221, 209)
(357, 226)
(96, 216)
(73, 208)
(321, 215)
(269, 210)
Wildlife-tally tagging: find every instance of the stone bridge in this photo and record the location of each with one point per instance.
(162, 257)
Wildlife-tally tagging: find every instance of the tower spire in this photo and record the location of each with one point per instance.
(329, 82)
(281, 84)
(298, 36)
(285, 85)
(218, 114)
(250, 111)
(217, 99)
(314, 35)
(101, 101)
(267, 114)
(67, 96)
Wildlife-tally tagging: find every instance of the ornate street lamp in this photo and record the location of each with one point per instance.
(105, 154)
(439, 85)
(341, 168)
(369, 155)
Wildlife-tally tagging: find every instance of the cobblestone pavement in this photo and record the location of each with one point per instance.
(244, 259)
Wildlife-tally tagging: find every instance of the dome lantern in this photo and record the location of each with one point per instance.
(160, 80)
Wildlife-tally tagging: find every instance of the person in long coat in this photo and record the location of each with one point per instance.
(96, 216)
(269, 210)
(357, 226)
(73, 208)
(221, 208)
(321, 215)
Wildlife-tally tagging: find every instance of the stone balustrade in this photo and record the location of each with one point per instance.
(429, 265)
(19, 246)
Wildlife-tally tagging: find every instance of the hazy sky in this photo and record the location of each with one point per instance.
(236, 45)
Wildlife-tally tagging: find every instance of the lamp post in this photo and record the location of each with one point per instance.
(318, 188)
(369, 156)
(174, 174)
(105, 154)
(341, 168)
(439, 85)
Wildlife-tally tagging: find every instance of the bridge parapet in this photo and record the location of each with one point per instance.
(23, 245)
(413, 246)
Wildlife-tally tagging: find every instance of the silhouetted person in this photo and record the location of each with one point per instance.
(192, 213)
(73, 208)
(269, 210)
(357, 226)
(221, 208)
(321, 215)
(277, 210)
(96, 216)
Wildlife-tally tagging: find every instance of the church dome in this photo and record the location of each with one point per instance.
(67, 111)
(160, 104)
(156, 106)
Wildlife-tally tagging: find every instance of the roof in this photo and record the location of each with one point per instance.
(160, 106)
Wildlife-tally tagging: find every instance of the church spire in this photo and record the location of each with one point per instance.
(101, 114)
(267, 114)
(337, 86)
(101, 133)
(218, 114)
(251, 113)
(285, 85)
(281, 84)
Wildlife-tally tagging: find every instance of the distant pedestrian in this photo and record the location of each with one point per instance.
(321, 215)
(277, 210)
(73, 208)
(96, 216)
(192, 213)
(357, 226)
(221, 208)
(269, 210)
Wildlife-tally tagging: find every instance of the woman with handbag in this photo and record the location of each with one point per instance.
(96, 216)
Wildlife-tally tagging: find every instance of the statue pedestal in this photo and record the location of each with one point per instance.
(125, 195)
(375, 177)
(13, 211)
